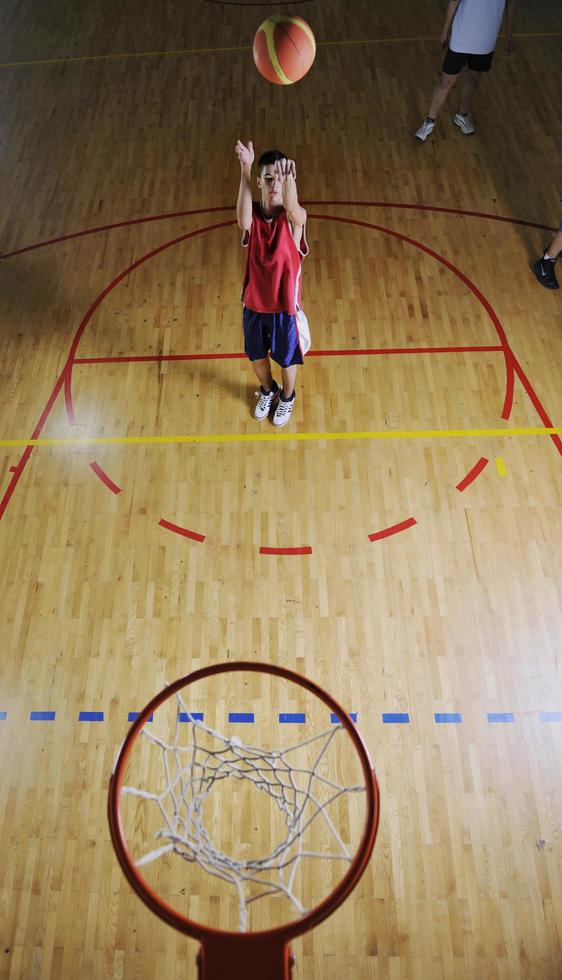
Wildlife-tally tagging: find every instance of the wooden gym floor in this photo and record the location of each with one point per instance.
(420, 516)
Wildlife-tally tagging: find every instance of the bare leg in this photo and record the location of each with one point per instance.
(262, 368)
(440, 93)
(289, 376)
(469, 88)
(555, 246)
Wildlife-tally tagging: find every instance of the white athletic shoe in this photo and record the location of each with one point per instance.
(283, 412)
(265, 401)
(425, 129)
(464, 122)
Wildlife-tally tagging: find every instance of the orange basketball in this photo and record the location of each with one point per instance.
(284, 48)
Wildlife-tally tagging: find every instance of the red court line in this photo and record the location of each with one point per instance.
(472, 474)
(104, 477)
(509, 359)
(135, 358)
(508, 399)
(509, 367)
(403, 350)
(237, 355)
(65, 376)
(387, 532)
(99, 300)
(430, 207)
(184, 531)
(306, 550)
(511, 362)
(18, 470)
(542, 413)
(112, 227)
(229, 207)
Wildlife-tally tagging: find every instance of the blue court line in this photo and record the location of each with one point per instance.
(288, 718)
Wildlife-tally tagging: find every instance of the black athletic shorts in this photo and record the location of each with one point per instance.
(455, 60)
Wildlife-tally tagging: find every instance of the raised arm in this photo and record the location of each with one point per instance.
(245, 155)
(286, 169)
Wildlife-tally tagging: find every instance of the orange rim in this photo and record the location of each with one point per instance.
(281, 934)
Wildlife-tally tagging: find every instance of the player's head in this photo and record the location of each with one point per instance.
(268, 181)
(269, 158)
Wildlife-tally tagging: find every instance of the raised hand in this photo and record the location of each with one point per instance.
(245, 153)
(286, 170)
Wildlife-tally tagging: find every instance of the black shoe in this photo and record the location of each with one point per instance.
(544, 271)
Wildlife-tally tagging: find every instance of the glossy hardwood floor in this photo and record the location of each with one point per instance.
(415, 516)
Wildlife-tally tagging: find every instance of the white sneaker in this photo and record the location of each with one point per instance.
(464, 122)
(265, 401)
(425, 129)
(283, 412)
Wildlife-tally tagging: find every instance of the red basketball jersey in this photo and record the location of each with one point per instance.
(272, 279)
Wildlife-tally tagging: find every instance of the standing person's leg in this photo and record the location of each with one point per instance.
(477, 64)
(287, 396)
(440, 93)
(462, 118)
(468, 91)
(262, 370)
(452, 64)
(256, 346)
(544, 267)
(286, 350)
(269, 389)
(289, 377)
(555, 247)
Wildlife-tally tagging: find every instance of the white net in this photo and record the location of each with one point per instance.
(305, 788)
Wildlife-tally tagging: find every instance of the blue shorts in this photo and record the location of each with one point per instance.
(275, 334)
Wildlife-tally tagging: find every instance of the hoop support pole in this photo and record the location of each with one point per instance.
(228, 957)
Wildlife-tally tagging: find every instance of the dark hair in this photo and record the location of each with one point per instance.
(270, 156)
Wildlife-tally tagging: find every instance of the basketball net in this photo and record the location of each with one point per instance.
(192, 764)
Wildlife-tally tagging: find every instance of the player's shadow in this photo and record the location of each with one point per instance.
(239, 389)
(523, 190)
(235, 387)
(31, 296)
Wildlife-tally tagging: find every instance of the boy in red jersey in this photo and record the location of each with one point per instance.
(274, 232)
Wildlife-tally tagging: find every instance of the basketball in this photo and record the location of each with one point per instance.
(284, 49)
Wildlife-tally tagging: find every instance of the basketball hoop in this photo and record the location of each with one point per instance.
(191, 762)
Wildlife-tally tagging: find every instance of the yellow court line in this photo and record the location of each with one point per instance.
(500, 466)
(419, 37)
(124, 55)
(283, 436)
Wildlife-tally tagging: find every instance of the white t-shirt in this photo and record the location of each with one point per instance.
(476, 26)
